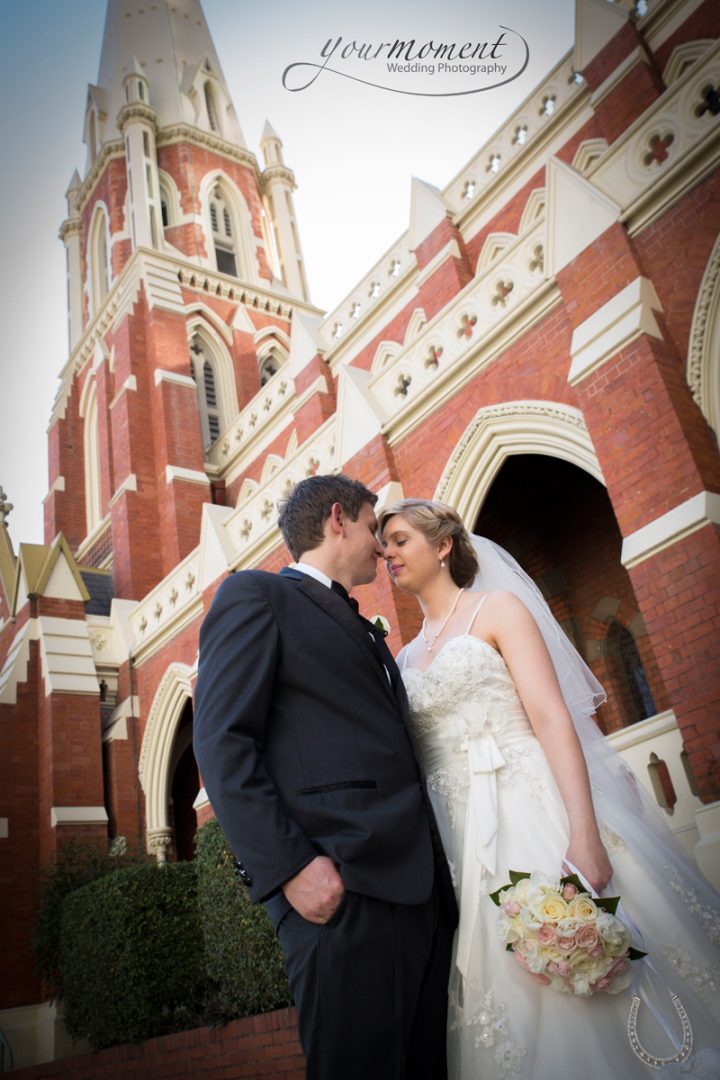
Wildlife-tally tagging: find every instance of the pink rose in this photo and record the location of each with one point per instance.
(511, 907)
(569, 891)
(597, 952)
(565, 944)
(587, 938)
(546, 934)
(618, 967)
(563, 968)
(601, 984)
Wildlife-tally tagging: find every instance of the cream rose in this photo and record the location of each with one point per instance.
(583, 908)
(551, 908)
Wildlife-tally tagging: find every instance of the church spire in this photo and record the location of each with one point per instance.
(170, 44)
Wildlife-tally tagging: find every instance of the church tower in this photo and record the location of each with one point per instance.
(184, 269)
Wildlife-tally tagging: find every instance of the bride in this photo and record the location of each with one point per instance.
(521, 779)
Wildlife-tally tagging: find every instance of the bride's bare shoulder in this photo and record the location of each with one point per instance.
(505, 604)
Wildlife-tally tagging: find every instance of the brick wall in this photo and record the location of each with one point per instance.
(264, 1047)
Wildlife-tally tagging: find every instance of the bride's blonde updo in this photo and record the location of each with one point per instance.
(437, 522)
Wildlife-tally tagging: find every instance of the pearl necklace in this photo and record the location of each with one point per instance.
(430, 645)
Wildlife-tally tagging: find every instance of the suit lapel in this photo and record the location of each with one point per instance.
(356, 627)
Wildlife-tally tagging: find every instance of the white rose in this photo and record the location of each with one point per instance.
(506, 929)
(547, 882)
(529, 919)
(614, 932)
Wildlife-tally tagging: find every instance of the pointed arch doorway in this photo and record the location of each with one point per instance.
(558, 522)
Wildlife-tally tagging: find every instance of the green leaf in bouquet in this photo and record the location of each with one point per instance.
(509, 948)
(635, 954)
(573, 879)
(495, 896)
(608, 903)
(517, 875)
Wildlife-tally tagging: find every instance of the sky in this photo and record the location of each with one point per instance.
(353, 148)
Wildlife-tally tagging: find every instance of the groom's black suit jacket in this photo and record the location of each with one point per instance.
(302, 741)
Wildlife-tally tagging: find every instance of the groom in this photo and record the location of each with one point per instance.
(302, 742)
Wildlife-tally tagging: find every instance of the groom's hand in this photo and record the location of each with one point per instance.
(316, 891)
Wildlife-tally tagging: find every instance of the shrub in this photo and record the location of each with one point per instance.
(77, 864)
(131, 955)
(242, 954)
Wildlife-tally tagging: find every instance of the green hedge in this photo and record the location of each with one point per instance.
(147, 950)
(131, 956)
(76, 865)
(242, 954)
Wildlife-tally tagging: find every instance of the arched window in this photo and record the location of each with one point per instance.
(202, 367)
(629, 678)
(99, 261)
(212, 115)
(223, 233)
(91, 448)
(270, 361)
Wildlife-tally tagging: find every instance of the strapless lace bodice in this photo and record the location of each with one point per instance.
(466, 693)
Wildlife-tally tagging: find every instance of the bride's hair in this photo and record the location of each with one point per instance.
(437, 522)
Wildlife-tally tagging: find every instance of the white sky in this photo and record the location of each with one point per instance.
(353, 149)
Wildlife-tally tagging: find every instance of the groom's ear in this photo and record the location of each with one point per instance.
(336, 521)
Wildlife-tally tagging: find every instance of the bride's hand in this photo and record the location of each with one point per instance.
(591, 859)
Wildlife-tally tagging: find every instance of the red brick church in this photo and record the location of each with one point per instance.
(540, 348)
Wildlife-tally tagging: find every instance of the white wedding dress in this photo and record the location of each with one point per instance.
(499, 809)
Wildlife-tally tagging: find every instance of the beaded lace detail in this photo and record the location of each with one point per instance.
(704, 979)
(489, 1022)
(708, 917)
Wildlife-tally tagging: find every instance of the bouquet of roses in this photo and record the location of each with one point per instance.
(557, 932)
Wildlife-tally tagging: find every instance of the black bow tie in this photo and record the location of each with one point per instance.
(342, 591)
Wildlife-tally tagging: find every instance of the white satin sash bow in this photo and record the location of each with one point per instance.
(480, 844)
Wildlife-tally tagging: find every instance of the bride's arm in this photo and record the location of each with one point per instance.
(518, 639)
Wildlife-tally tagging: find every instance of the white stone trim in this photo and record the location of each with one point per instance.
(500, 431)
(662, 20)
(58, 484)
(4, 828)
(570, 197)
(646, 729)
(174, 377)
(128, 484)
(78, 815)
(703, 370)
(130, 385)
(201, 800)
(67, 660)
(451, 250)
(156, 752)
(192, 476)
(693, 514)
(707, 850)
(637, 56)
(614, 326)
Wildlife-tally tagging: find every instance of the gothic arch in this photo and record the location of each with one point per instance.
(91, 453)
(214, 346)
(99, 257)
(703, 364)
(240, 224)
(156, 754)
(516, 427)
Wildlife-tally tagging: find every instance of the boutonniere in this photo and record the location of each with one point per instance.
(381, 624)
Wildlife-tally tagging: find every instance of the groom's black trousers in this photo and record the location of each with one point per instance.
(370, 988)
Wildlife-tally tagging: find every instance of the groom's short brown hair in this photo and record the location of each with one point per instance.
(306, 509)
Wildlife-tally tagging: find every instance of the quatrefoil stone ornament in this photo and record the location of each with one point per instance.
(467, 326)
